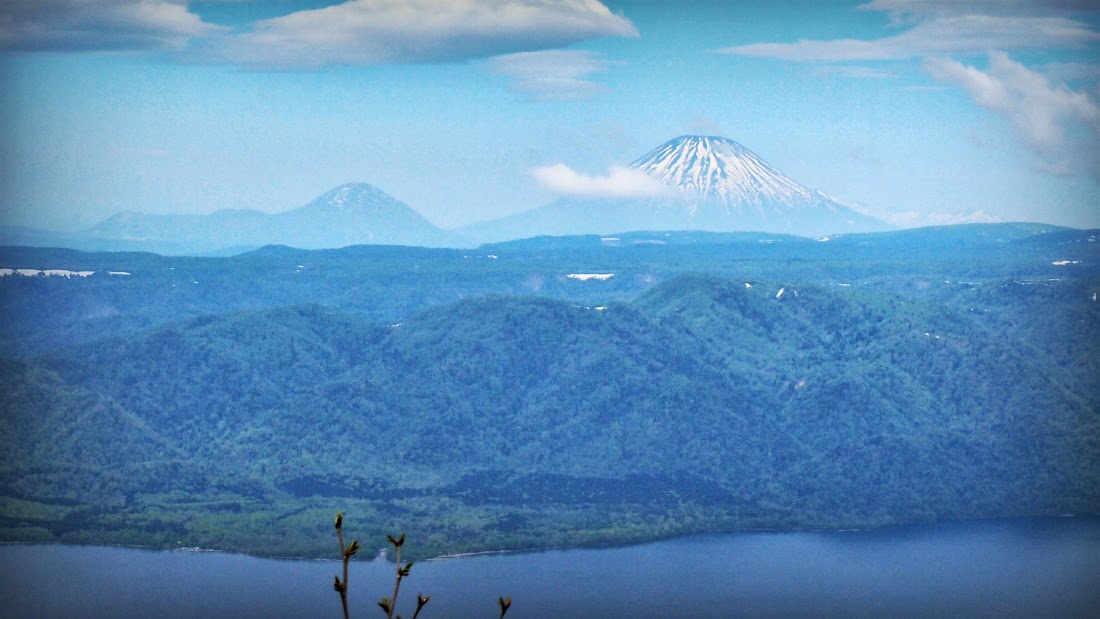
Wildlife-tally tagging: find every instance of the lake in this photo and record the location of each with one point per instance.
(1005, 568)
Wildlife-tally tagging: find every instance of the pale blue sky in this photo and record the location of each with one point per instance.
(925, 112)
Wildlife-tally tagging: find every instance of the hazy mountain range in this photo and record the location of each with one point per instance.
(713, 184)
(351, 214)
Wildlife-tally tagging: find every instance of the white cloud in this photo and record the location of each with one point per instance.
(369, 32)
(620, 182)
(1039, 109)
(552, 75)
(951, 34)
(101, 25)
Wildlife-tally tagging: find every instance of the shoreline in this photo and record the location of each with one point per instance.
(382, 555)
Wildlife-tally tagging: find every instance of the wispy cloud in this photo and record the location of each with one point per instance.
(552, 75)
(1073, 71)
(370, 32)
(854, 71)
(103, 25)
(1039, 109)
(619, 182)
(903, 9)
(916, 219)
(950, 34)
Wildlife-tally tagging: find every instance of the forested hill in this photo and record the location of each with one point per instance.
(704, 402)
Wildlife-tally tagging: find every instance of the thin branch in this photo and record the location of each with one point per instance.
(342, 586)
(396, 585)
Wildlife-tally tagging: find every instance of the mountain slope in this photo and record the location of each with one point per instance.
(518, 422)
(719, 185)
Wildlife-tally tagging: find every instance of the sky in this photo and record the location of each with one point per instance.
(921, 112)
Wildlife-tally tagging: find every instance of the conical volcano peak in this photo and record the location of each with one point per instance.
(718, 168)
(351, 194)
(706, 141)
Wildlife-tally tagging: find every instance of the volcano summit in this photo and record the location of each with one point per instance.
(717, 169)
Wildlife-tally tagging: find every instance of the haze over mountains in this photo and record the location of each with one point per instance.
(350, 214)
(714, 184)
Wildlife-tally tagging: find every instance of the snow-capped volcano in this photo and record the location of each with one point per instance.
(717, 168)
(355, 196)
(722, 187)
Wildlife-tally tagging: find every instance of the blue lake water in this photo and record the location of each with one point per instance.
(1015, 568)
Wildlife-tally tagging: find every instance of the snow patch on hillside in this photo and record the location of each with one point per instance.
(584, 277)
(45, 273)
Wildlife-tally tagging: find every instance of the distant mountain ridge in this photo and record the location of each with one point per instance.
(352, 213)
(715, 184)
(721, 186)
(349, 214)
(387, 283)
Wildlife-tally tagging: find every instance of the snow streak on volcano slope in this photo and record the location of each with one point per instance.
(719, 169)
